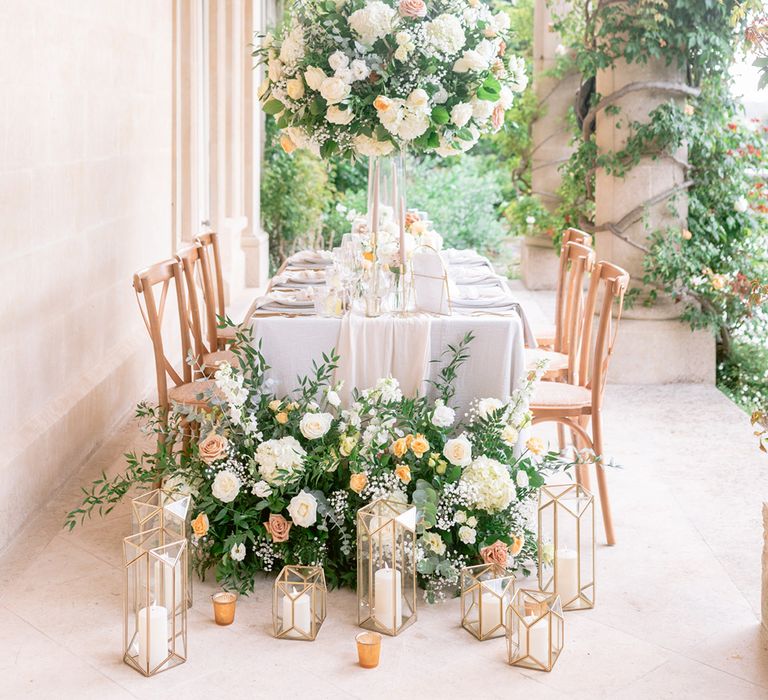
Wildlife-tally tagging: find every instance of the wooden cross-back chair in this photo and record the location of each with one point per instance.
(216, 306)
(200, 314)
(153, 286)
(579, 401)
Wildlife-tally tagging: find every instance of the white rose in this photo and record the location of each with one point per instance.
(443, 416)
(401, 53)
(261, 489)
(460, 517)
(518, 76)
(458, 451)
(237, 552)
(303, 509)
(413, 125)
(334, 90)
(472, 521)
(509, 435)
(360, 69)
(741, 205)
(367, 146)
(338, 59)
(333, 398)
(346, 75)
(275, 69)
(472, 61)
(372, 22)
(522, 479)
(461, 114)
(314, 77)
(506, 97)
(482, 109)
(501, 22)
(487, 406)
(315, 425)
(441, 96)
(418, 99)
(295, 88)
(339, 116)
(226, 486)
(434, 542)
(467, 534)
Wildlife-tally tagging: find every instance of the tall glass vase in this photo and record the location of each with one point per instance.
(386, 227)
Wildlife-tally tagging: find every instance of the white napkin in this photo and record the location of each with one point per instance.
(474, 274)
(299, 301)
(311, 259)
(389, 346)
(294, 276)
(452, 256)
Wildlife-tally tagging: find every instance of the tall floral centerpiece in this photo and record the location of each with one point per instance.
(378, 78)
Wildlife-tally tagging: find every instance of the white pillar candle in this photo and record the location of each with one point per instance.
(153, 639)
(538, 636)
(171, 583)
(566, 575)
(301, 620)
(490, 606)
(387, 587)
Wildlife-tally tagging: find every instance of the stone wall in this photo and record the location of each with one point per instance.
(85, 196)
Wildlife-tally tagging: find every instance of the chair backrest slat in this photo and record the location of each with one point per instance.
(216, 305)
(198, 292)
(580, 260)
(571, 235)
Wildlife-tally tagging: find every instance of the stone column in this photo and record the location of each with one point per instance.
(764, 598)
(653, 346)
(551, 137)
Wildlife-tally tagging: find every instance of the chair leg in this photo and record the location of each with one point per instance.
(605, 505)
(586, 480)
(561, 436)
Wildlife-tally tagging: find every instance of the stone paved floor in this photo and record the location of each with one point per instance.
(677, 610)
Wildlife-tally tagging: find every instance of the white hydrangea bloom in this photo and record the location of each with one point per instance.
(493, 486)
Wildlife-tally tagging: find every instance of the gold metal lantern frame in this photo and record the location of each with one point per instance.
(535, 628)
(386, 566)
(154, 595)
(486, 592)
(566, 543)
(299, 602)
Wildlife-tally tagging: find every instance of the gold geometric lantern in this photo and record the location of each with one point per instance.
(535, 629)
(567, 545)
(161, 508)
(154, 596)
(298, 602)
(386, 566)
(486, 592)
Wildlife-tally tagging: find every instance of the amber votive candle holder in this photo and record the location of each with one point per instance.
(224, 604)
(368, 649)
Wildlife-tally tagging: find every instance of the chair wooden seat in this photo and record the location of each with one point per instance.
(211, 360)
(556, 361)
(565, 398)
(193, 393)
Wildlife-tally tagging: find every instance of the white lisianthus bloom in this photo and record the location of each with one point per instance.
(491, 484)
(458, 451)
(433, 541)
(237, 553)
(360, 69)
(368, 146)
(518, 76)
(467, 534)
(339, 116)
(372, 22)
(460, 517)
(501, 22)
(443, 416)
(334, 90)
(418, 99)
(414, 124)
(275, 69)
(279, 460)
(482, 109)
(295, 88)
(261, 489)
(333, 398)
(506, 97)
(471, 62)
(314, 425)
(509, 435)
(461, 114)
(303, 509)
(389, 389)
(338, 59)
(314, 77)
(741, 204)
(522, 479)
(445, 34)
(487, 406)
(441, 96)
(226, 486)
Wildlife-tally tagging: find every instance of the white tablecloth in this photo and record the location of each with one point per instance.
(495, 366)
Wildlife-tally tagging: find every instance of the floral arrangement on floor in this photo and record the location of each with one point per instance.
(279, 480)
(369, 77)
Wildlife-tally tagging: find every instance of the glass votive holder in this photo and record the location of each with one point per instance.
(535, 630)
(368, 649)
(224, 603)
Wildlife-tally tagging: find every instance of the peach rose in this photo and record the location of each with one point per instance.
(497, 117)
(399, 447)
(403, 472)
(411, 217)
(382, 104)
(282, 417)
(517, 544)
(287, 143)
(277, 527)
(419, 445)
(495, 554)
(200, 525)
(212, 447)
(358, 481)
(413, 8)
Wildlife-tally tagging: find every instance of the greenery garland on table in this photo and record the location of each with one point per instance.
(279, 480)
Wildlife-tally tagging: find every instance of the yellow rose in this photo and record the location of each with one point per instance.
(517, 544)
(274, 405)
(282, 417)
(403, 472)
(419, 445)
(347, 444)
(357, 482)
(292, 406)
(399, 447)
(287, 143)
(212, 447)
(535, 445)
(718, 282)
(200, 525)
